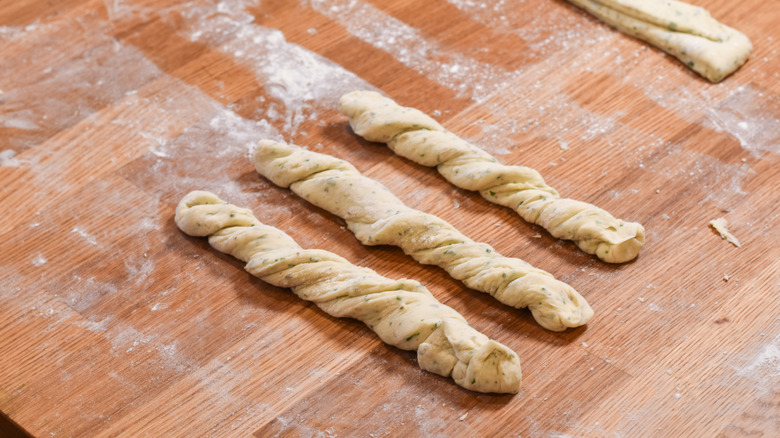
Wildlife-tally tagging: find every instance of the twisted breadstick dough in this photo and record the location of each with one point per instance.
(687, 32)
(402, 312)
(413, 135)
(377, 217)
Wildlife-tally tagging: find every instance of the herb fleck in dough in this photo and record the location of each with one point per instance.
(687, 32)
(377, 217)
(402, 312)
(413, 135)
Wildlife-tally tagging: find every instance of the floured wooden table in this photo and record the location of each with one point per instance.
(114, 323)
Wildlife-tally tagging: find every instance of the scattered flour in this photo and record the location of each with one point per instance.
(82, 293)
(8, 158)
(81, 231)
(222, 135)
(82, 85)
(752, 116)
(39, 260)
(118, 10)
(158, 306)
(550, 28)
(299, 83)
(139, 269)
(173, 358)
(95, 325)
(719, 182)
(466, 76)
(125, 339)
(764, 368)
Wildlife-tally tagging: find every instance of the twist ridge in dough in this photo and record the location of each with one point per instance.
(402, 312)
(377, 217)
(412, 134)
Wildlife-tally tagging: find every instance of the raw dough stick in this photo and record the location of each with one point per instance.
(402, 312)
(413, 135)
(687, 32)
(377, 217)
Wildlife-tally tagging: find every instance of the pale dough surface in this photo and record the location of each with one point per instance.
(687, 32)
(402, 312)
(722, 227)
(412, 134)
(377, 217)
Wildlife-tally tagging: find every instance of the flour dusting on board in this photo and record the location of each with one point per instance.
(413, 402)
(82, 293)
(173, 358)
(139, 268)
(491, 13)
(753, 117)
(8, 158)
(466, 76)
(544, 26)
(212, 154)
(721, 182)
(121, 9)
(79, 87)
(81, 231)
(39, 260)
(95, 324)
(126, 339)
(148, 109)
(298, 83)
(764, 369)
(543, 111)
(750, 115)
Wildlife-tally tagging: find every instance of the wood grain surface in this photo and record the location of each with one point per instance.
(114, 323)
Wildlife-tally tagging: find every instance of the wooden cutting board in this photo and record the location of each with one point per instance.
(114, 323)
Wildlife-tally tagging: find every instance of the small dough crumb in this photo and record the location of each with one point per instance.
(721, 226)
(463, 417)
(726, 277)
